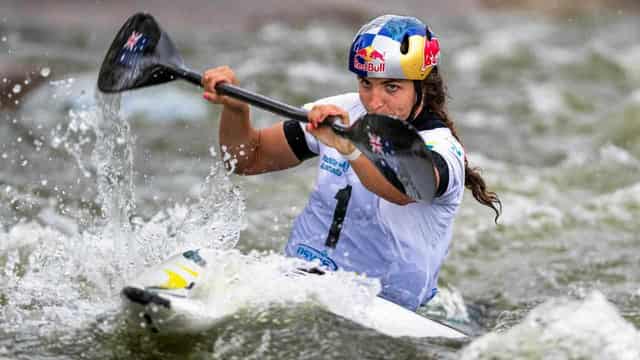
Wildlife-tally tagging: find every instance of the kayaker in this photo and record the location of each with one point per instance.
(355, 220)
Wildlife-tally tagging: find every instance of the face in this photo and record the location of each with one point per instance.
(391, 97)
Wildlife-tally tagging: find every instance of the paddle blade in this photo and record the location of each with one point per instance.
(398, 151)
(141, 55)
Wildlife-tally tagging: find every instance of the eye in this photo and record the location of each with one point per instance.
(391, 87)
(365, 83)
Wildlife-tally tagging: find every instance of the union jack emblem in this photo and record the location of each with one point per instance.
(132, 49)
(132, 40)
(376, 144)
(380, 145)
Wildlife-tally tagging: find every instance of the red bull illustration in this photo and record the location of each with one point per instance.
(369, 59)
(431, 53)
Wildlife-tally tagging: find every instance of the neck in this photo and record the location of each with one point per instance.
(427, 120)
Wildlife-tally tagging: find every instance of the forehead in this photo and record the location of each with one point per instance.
(384, 80)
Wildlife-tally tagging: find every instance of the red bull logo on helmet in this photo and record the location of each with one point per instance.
(431, 53)
(369, 59)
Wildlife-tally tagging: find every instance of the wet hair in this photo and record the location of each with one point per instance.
(434, 93)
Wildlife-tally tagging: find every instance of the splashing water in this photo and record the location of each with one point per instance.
(45, 72)
(61, 276)
(563, 329)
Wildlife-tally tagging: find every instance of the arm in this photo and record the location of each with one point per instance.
(375, 182)
(251, 150)
(367, 172)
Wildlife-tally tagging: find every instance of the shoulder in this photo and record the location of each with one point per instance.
(442, 141)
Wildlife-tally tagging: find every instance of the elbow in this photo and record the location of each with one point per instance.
(244, 167)
(390, 194)
(239, 161)
(233, 166)
(401, 200)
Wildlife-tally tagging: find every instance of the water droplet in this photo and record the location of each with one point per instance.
(17, 88)
(27, 81)
(4, 155)
(55, 142)
(4, 39)
(45, 71)
(19, 139)
(24, 163)
(44, 182)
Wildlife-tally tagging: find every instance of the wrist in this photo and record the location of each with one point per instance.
(236, 107)
(354, 154)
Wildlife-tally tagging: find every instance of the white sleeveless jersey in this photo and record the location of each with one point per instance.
(403, 246)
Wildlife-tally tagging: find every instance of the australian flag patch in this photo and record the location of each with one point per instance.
(132, 49)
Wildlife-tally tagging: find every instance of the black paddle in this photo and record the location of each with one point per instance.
(143, 55)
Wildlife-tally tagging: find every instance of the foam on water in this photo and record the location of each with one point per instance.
(621, 207)
(562, 328)
(499, 42)
(234, 281)
(59, 275)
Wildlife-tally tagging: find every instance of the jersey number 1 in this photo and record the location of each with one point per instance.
(343, 196)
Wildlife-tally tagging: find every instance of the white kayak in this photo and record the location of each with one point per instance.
(165, 299)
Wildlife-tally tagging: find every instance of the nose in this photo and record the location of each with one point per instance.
(377, 100)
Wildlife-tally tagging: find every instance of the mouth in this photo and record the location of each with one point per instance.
(393, 116)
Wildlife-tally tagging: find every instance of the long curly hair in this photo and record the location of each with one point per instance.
(435, 99)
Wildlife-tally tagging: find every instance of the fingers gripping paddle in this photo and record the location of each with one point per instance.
(143, 55)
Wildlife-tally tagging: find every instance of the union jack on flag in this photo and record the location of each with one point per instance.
(132, 48)
(376, 143)
(379, 145)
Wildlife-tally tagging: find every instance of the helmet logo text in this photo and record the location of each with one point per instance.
(369, 59)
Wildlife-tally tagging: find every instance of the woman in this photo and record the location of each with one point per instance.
(355, 220)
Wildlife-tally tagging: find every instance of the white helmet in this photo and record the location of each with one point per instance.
(395, 47)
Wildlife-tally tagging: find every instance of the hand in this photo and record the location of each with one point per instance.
(325, 134)
(213, 77)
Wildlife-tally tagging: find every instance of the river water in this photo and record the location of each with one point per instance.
(94, 188)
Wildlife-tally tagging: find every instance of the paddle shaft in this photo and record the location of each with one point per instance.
(261, 101)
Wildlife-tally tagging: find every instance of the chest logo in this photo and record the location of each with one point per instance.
(334, 166)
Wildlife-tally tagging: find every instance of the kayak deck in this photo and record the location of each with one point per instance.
(168, 308)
